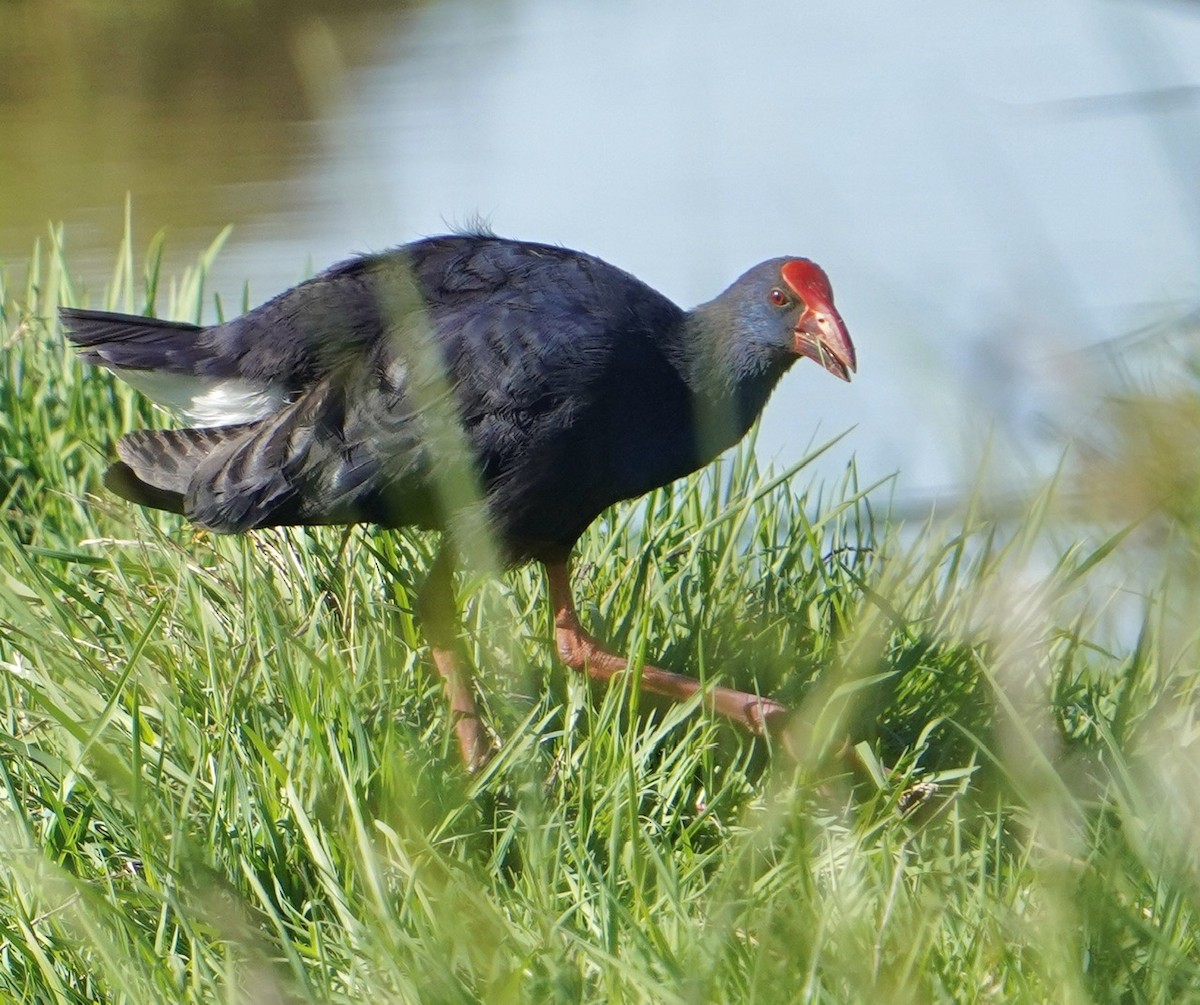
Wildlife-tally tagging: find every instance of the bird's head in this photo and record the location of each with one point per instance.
(738, 345)
(786, 308)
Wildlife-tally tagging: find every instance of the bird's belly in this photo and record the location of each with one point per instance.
(540, 508)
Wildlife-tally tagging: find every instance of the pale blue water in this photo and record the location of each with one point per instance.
(973, 178)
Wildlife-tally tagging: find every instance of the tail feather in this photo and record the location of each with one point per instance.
(131, 342)
(174, 364)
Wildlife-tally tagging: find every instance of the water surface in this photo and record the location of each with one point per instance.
(993, 188)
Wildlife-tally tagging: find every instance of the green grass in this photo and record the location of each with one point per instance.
(228, 774)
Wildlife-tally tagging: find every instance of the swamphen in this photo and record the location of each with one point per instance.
(383, 389)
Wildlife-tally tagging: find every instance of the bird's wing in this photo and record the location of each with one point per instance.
(513, 322)
(346, 450)
(526, 327)
(345, 389)
(475, 384)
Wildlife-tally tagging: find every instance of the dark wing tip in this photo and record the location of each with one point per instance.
(120, 479)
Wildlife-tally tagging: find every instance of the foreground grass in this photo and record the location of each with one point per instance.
(228, 774)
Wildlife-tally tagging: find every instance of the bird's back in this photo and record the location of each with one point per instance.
(550, 373)
(566, 380)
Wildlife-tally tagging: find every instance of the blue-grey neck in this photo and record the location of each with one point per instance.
(731, 363)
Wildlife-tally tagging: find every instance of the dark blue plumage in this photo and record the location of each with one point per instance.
(556, 383)
(575, 383)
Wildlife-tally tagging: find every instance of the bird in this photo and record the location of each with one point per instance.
(502, 392)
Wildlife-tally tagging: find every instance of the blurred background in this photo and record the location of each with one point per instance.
(1004, 194)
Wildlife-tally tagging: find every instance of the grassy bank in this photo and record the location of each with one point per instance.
(228, 774)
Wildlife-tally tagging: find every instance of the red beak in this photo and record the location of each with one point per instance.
(821, 335)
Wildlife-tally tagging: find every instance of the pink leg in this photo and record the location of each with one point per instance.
(439, 617)
(580, 651)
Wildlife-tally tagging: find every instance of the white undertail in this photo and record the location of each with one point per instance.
(209, 401)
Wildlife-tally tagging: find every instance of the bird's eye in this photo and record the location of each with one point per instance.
(779, 298)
